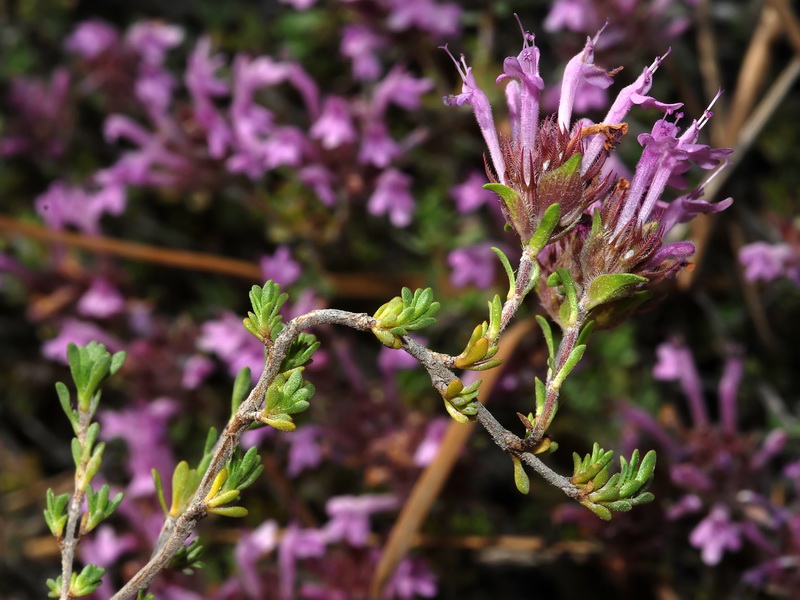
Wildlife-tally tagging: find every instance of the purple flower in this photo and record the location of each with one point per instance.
(91, 38)
(233, 344)
(280, 267)
(62, 205)
(675, 362)
(104, 547)
(377, 146)
(392, 197)
(688, 504)
(574, 15)
(349, 516)
(250, 548)
(772, 445)
(472, 265)
(153, 88)
(79, 333)
(765, 262)
(440, 20)
(152, 40)
(728, 390)
(429, 446)
(144, 429)
(334, 127)
(101, 300)
(304, 449)
(200, 77)
(297, 543)
(319, 179)
(359, 44)
(40, 122)
(411, 579)
(715, 534)
(390, 360)
(195, 370)
(401, 89)
(559, 160)
(299, 4)
(687, 475)
(470, 195)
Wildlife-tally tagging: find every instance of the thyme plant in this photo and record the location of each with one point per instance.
(591, 247)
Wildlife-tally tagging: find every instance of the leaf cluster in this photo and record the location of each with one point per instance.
(461, 402)
(80, 584)
(603, 492)
(240, 472)
(264, 321)
(288, 394)
(482, 345)
(404, 313)
(185, 480)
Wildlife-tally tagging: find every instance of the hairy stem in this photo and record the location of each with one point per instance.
(514, 445)
(552, 387)
(72, 535)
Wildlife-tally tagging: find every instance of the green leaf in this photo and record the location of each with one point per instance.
(116, 362)
(568, 313)
(541, 395)
(509, 196)
(180, 483)
(609, 287)
(160, 490)
(241, 385)
(598, 509)
(99, 507)
(548, 224)
(188, 558)
(54, 585)
(229, 511)
(55, 513)
(87, 581)
(520, 476)
(264, 321)
(512, 283)
(300, 351)
(572, 360)
(548, 338)
(66, 405)
(586, 332)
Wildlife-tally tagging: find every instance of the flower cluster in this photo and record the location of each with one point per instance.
(569, 211)
(339, 147)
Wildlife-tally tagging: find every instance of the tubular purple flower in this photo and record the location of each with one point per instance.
(728, 389)
(473, 95)
(581, 68)
(630, 96)
(675, 362)
(523, 98)
(665, 157)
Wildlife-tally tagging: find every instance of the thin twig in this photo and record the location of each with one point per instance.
(351, 285)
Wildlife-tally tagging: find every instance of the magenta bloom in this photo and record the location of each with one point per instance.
(350, 516)
(473, 265)
(280, 267)
(559, 160)
(715, 534)
(233, 344)
(765, 262)
(91, 38)
(101, 300)
(392, 196)
(470, 195)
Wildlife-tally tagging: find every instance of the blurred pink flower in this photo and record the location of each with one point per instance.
(101, 300)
